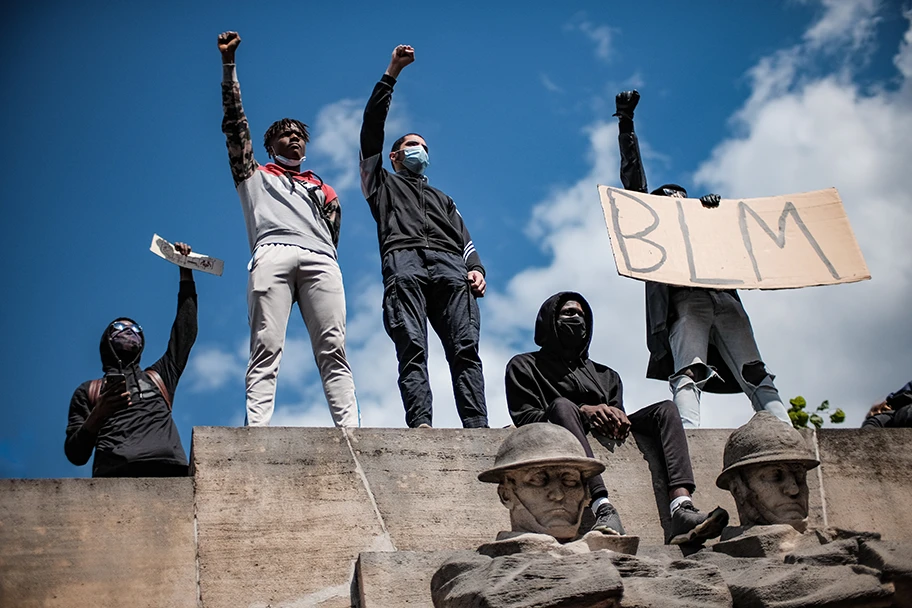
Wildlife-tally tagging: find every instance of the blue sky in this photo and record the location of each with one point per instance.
(112, 116)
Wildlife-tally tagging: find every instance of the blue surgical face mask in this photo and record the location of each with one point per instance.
(415, 159)
(288, 161)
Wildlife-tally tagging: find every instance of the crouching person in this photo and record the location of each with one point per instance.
(561, 385)
(125, 417)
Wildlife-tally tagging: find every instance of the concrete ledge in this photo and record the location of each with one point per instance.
(867, 480)
(74, 543)
(282, 514)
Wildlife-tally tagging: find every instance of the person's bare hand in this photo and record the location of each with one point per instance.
(227, 44)
(879, 408)
(607, 420)
(477, 283)
(402, 56)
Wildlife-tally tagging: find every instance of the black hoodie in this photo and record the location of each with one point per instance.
(534, 380)
(145, 430)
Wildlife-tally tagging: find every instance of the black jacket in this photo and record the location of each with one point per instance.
(145, 430)
(409, 212)
(889, 419)
(658, 312)
(534, 380)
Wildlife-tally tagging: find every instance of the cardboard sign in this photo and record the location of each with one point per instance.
(194, 261)
(777, 242)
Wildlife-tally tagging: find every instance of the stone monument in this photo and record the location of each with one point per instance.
(542, 562)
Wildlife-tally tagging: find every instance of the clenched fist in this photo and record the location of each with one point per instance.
(625, 102)
(402, 56)
(227, 43)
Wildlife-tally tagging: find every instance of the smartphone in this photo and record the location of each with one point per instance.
(113, 380)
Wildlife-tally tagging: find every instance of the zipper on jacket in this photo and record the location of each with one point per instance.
(427, 240)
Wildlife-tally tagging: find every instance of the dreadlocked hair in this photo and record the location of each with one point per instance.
(282, 125)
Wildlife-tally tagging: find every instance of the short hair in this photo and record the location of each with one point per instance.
(398, 143)
(281, 125)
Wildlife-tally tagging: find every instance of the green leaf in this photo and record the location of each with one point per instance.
(800, 421)
(816, 420)
(824, 406)
(837, 417)
(798, 402)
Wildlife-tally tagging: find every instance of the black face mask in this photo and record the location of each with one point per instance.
(572, 334)
(126, 345)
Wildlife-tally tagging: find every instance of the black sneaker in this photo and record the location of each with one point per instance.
(688, 525)
(607, 520)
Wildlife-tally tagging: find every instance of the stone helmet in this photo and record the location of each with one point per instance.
(764, 439)
(541, 444)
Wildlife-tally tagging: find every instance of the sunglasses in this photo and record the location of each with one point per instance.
(120, 326)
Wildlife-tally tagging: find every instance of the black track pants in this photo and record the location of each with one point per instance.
(422, 285)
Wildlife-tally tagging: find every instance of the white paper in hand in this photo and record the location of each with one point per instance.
(194, 261)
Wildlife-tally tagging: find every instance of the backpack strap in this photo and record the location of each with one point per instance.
(94, 392)
(158, 382)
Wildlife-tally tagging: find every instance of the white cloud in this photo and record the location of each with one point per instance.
(337, 139)
(211, 368)
(903, 59)
(849, 343)
(549, 84)
(600, 35)
(844, 21)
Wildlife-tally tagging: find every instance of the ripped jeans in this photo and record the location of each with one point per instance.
(708, 316)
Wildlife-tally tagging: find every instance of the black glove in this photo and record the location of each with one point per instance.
(710, 201)
(625, 102)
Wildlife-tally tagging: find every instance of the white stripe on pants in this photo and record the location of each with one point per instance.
(279, 276)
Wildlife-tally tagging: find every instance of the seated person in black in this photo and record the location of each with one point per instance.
(561, 385)
(893, 412)
(126, 417)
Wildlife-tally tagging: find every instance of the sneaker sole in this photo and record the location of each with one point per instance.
(710, 528)
(607, 530)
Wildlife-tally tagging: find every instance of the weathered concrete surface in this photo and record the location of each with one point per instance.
(426, 485)
(867, 478)
(401, 579)
(282, 514)
(73, 543)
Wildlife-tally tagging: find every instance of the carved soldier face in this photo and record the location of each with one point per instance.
(545, 500)
(774, 493)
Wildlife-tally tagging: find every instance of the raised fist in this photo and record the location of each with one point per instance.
(402, 56)
(228, 42)
(710, 201)
(625, 102)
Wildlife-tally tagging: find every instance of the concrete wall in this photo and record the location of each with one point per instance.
(283, 513)
(74, 543)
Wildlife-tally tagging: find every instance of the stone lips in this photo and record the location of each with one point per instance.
(763, 439)
(540, 444)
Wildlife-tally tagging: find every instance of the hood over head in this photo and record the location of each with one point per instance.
(660, 191)
(109, 360)
(546, 335)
